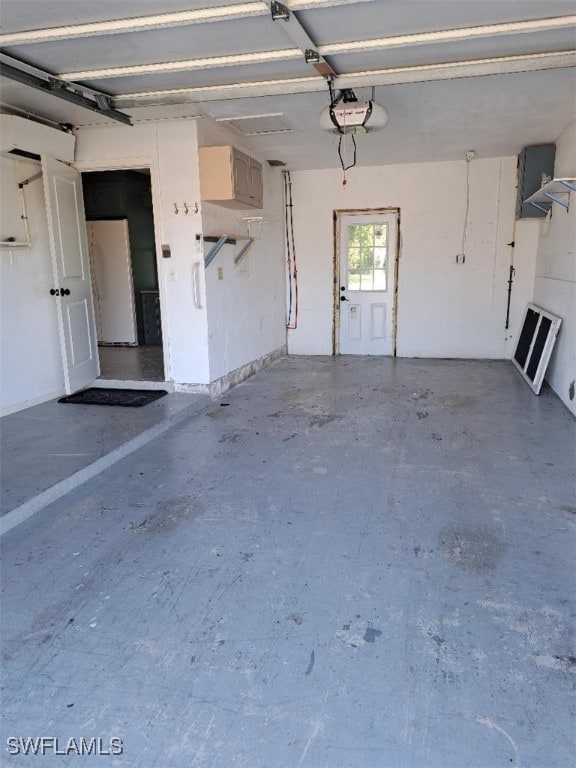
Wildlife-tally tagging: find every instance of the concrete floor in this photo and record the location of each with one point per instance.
(356, 562)
(47, 444)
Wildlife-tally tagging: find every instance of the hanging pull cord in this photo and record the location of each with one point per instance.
(341, 145)
(340, 155)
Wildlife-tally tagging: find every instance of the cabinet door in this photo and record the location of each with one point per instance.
(256, 183)
(241, 175)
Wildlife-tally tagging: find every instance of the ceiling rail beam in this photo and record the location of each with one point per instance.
(451, 35)
(394, 76)
(161, 21)
(294, 30)
(304, 44)
(100, 103)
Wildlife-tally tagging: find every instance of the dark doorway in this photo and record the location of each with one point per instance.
(124, 273)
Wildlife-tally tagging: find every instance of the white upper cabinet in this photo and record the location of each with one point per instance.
(230, 178)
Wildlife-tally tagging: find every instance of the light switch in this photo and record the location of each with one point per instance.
(166, 252)
(220, 273)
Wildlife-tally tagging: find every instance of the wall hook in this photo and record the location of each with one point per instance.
(176, 208)
(185, 209)
(196, 208)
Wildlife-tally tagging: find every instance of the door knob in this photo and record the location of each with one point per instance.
(54, 292)
(343, 298)
(65, 291)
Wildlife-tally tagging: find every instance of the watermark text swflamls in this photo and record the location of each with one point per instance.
(52, 745)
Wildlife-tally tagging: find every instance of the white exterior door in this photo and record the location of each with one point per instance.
(72, 283)
(113, 289)
(367, 248)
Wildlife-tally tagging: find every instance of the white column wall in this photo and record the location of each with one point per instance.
(444, 309)
(170, 150)
(555, 284)
(30, 358)
(246, 308)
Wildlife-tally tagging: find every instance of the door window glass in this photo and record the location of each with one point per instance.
(367, 257)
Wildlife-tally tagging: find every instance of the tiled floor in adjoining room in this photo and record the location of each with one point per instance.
(145, 363)
(343, 562)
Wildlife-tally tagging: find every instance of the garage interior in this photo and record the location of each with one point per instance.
(345, 534)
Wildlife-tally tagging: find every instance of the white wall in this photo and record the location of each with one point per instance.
(444, 309)
(246, 309)
(30, 360)
(555, 284)
(170, 150)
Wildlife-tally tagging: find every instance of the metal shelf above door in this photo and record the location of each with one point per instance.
(554, 191)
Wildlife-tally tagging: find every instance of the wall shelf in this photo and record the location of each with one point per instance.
(221, 240)
(554, 191)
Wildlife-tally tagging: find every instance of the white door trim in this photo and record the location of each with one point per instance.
(337, 217)
(129, 164)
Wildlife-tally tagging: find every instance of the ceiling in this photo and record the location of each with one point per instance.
(454, 75)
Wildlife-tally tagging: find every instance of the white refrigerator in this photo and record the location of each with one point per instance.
(112, 285)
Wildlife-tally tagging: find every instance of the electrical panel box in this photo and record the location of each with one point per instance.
(535, 167)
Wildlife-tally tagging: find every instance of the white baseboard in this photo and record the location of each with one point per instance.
(235, 377)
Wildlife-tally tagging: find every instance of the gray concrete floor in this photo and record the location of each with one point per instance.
(43, 445)
(357, 562)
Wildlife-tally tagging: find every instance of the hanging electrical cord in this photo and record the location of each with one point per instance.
(353, 163)
(347, 96)
(468, 155)
(292, 321)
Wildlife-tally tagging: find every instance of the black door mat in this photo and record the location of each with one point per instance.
(127, 398)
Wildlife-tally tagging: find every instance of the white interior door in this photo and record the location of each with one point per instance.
(367, 272)
(109, 246)
(72, 283)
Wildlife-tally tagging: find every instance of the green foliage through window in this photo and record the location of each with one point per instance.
(367, 257)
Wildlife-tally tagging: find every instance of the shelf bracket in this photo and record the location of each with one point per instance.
(213, 252)
(244, 250)
(555, 199)
(36, 176)
(540, 208)
(570, 187)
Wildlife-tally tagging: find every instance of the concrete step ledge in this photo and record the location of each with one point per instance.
(25, 511)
